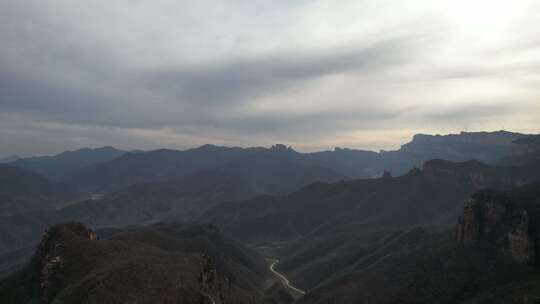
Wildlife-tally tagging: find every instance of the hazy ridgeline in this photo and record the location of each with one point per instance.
(346, 225)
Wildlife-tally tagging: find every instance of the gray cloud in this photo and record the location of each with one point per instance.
(249, 78)
(460, 113)
(173, 73)
(192, 91)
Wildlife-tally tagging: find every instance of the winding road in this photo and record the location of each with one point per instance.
(295, 292)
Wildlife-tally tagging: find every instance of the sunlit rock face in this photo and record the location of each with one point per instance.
(492, 217)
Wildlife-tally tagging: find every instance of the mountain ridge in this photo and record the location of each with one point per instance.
(165, 263)
(163, 164)
(428, 196)
(58, 166)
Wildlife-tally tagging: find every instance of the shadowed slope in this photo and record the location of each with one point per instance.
(165, 263)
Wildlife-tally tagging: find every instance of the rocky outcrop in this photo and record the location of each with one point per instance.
(479, 175)
(484, 146)
(524, 151)
(163, 263)
(520, 244)
(497, 138)
(49, 259)
(387, 175)
(494, 218)
(467, 228)
(211, 282)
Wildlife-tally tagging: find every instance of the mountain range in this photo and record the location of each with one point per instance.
(491, 256)
(165, 263)
(272, 225)
(61, 165)
(430, 196)
(22, 190)
(9, 159)
(107, 169)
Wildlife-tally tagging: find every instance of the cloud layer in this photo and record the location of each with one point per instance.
(364, 74)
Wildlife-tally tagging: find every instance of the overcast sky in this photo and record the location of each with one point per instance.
(312, 74)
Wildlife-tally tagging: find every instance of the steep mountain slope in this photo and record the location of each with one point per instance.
(491, 257)
(160, 165)
(63, 164)
(22, 190)
(187, 197)
(21, 231)
(427, 268)
(165, 263)
(9, 159)
(524, 151)
(28, 203)
(184, 198)
(401, 201)
(152, 166)
(429, 196)
(357, 163)
(481, 175)
(486, 147)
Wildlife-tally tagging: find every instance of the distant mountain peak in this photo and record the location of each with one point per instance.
(106, 148)
(493, 137)
(281, 147)
(88, 149)
(67, 162)
(207, 147)
(414, 172)
(9, 159)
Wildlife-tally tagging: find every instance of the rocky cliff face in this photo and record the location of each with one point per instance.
(494, 218)
(479, 175)
(499, 138)
(524, 151)
(163, 263)
(49, 259)
(483, 146)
